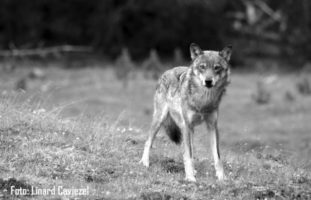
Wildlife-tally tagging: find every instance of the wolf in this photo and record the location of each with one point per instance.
(188, 96)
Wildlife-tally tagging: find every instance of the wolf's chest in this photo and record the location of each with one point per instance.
(204, 102)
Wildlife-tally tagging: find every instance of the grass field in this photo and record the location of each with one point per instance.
(79, 128)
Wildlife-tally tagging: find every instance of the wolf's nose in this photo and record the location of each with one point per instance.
(209, 83)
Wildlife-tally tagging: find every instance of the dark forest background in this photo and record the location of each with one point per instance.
(278, 28)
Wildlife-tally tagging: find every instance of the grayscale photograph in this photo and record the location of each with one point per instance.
(155, 100)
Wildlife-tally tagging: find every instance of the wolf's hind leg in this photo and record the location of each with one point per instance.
(160, 113)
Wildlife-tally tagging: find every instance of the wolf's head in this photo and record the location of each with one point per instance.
(210, 67)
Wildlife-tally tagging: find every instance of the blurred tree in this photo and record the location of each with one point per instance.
(152, 66)
(158, 24)
(178, 57)
(123, 67)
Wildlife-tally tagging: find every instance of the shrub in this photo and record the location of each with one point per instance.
(262, 95)
(303, 86)
(21, 84)
(123, 67)
(152, 66)
(178, 57)
(288, 96)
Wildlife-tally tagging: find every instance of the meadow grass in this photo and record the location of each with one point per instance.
(86, 130)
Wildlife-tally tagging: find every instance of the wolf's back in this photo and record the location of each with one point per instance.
(176, 74)
(172, 78)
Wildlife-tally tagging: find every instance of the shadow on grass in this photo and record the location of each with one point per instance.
(171, 166)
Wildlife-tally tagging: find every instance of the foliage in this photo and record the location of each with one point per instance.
(157, 24)
(109, 25)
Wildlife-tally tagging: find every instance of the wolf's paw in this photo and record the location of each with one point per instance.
(221, 176)
(144, 162)
(190, 178)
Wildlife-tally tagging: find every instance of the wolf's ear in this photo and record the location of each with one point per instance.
(226, 52)
(195, 51)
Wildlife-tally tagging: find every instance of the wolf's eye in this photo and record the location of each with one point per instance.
(217, 68)
(202, 66)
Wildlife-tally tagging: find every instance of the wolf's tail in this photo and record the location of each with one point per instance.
(172, 130)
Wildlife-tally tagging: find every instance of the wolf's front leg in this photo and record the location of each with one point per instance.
(188, 154)
(213, 129)
(215, 149)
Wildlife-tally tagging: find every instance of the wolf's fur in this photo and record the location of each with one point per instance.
(187, 96)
